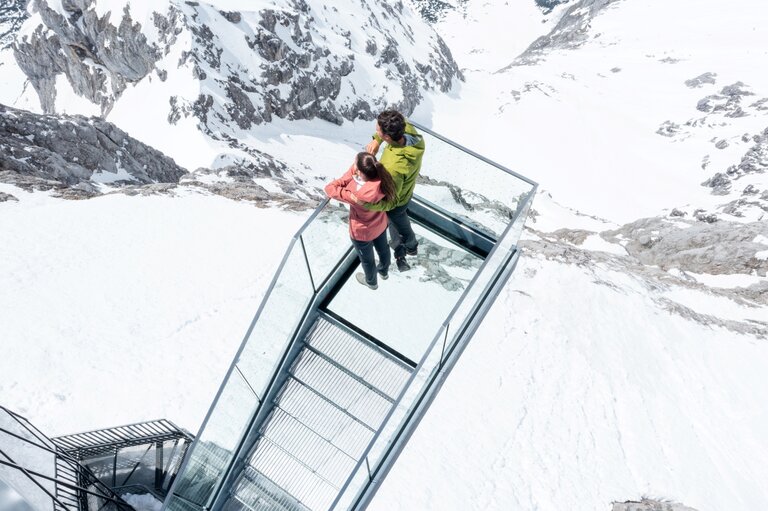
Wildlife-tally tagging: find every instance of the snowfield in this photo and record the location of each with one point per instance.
(125, 309)
(584, 386)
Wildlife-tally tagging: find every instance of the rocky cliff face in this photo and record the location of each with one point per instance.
(42, 151)
(548, 5)
(294, 60)
(98, 54)
(75, 157)
(12, 15)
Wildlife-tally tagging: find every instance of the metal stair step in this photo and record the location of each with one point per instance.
(309, 448)
(329, 421)
(257, 493)
(347, 392)
(294, 477)
(366, 361)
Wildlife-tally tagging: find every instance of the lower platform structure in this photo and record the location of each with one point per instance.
(92, 471)
(332, 378)
(36, 475)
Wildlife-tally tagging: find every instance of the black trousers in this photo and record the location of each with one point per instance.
(400, 230)
(365, 253)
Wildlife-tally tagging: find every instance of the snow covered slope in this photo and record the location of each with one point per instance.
(625, 359)
(616, 112)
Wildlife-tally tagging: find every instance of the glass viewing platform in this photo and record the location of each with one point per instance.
(332, 378)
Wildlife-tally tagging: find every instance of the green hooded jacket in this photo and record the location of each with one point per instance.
(403, 163)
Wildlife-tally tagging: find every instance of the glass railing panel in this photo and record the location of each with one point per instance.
(478, 192)
(498, 258)
(277, 322)
(516, 231)
(215, 446)
(176, 504)
(326, 240)
(281, 313)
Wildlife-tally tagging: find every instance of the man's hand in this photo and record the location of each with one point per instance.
(373, 147)
(355, 199)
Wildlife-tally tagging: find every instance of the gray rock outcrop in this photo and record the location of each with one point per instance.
(434, 10)
(701, 80)
(99, 55)
(548, 5)
(4, 197)
(740, 184)
(752, 196)
(76, 151)
(649, 505)
(712, 248)
(728, 102)
(12, 15)
(655, 246)
(571, 31)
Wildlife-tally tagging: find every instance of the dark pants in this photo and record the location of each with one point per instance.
(400, 230)
(365, 253)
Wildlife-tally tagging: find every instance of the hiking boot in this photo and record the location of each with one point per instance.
(361, 279)
(402, 265)
(383, 275)
(412, 251)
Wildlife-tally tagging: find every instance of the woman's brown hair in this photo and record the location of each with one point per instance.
(375, 171)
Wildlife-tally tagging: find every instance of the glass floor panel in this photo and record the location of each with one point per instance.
(407, 310)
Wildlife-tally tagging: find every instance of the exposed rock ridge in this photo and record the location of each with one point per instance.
(702, 251)
(71, 156)
(99, 55)
(433, 10)
(647, 504)
(570, 32)
(12, 15)
(720, 248)
(548, 5)
(303, 73)
(75, 151)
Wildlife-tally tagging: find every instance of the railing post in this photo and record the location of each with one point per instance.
(159, 466)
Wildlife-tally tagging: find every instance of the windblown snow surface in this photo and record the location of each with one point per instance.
(584, 386)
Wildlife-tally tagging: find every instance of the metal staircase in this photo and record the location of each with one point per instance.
(336, 395)
(67, 497)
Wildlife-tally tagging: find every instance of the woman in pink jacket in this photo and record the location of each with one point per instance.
(366, 181)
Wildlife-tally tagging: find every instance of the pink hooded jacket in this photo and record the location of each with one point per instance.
(364, 225)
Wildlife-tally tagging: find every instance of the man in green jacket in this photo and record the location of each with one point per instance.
(402, 159)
